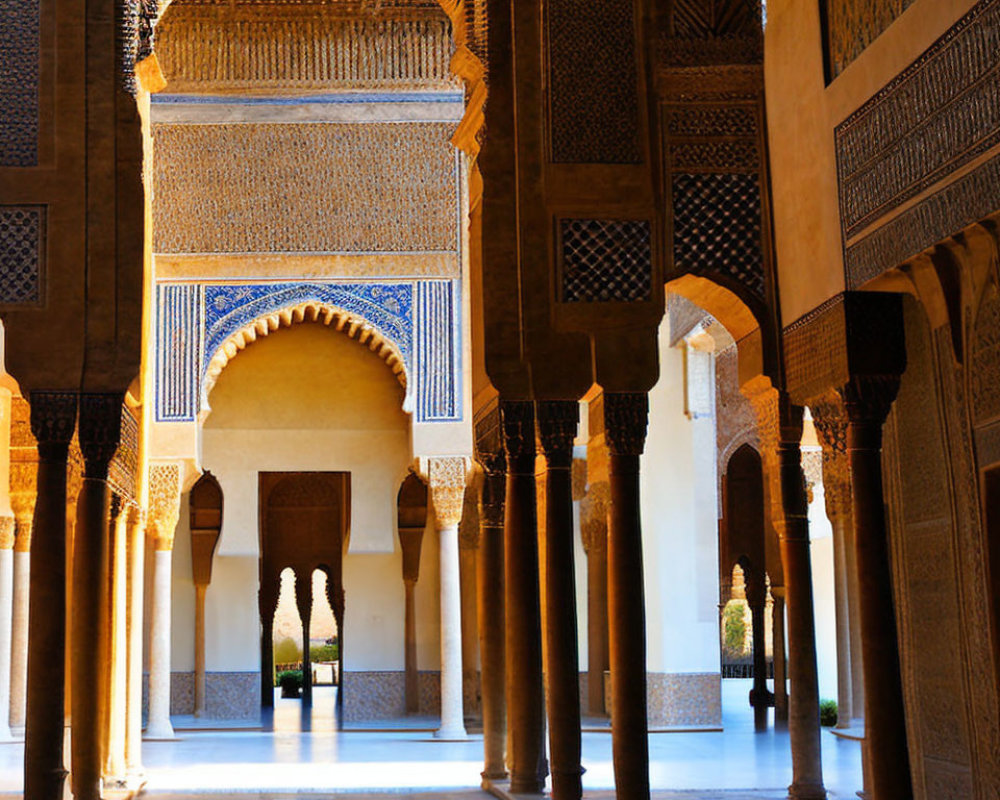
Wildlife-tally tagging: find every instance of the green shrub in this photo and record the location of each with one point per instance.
(828, 713)
(323, 652)
(290, 682)
(734, 628)
(287, 651)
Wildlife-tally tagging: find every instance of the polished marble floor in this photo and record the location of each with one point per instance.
(736, 764)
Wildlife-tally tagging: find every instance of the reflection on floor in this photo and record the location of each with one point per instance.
(736, 764)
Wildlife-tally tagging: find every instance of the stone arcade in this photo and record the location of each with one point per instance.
(584, 354)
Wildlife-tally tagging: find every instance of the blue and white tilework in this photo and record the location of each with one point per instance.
(179, 334)
(418, 317)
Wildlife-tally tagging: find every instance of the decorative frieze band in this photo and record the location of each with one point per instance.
(416, 326)
(939, 114)
(852, 25)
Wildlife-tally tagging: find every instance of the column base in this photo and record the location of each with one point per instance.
(489, 776)
(159, 731)
(809, 792)
(455, 733)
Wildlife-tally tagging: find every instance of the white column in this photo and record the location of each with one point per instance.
(447, 484)
(6, 609)
(452, 721)
(158, 726)
(19, 641)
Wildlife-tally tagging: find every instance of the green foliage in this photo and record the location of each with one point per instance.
(323, 652)
(734, 629)
(828, 713)
(290, 682)
(287, 652)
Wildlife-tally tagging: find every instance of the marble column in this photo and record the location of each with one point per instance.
(523, 643)
(779, 426)
(626, 417)
(53, 420)
(100, 428)
(164, 510)
(115, 770)
(830, 421)
(490, 604)
(557, 423)
(7, 537)
(23, 476)
(594, 531)
(868, 401)
(780, 657)
(446, 477)
(136, 557)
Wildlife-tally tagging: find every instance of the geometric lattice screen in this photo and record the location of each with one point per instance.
(22, 252)
(606, 260)
(717, 226)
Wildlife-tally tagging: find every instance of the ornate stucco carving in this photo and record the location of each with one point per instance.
(7, 532)
(164, 503)
(305, 188)
(446, 478)
(305, 45)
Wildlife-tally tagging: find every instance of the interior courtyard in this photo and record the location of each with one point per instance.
(466, 398)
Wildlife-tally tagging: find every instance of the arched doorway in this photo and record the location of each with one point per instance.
(304, 522)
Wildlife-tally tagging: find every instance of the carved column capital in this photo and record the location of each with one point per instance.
(100, 431)
(579, 479)
(830, 420)
(164, 503)
(489, 441)
(594, 518)
(491, 500)
(7, 532)
(518, 420)
(869, 398)
(53, 420)
(23, 481)
(557, 424)
(626, 419)
(446, 478)
(468, 528)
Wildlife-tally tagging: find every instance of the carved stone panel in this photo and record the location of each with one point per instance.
(20, 54)
(22, 253)
(852, 25)
(593, 73)
(306, 188)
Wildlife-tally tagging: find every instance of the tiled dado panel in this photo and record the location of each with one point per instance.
(20, 52)
(306, 188)
(382, 695)
(228, 695)
(683, 699)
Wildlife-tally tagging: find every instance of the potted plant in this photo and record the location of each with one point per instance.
(290, 683)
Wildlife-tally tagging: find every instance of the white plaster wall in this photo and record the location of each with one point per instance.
(680, 527)
(821, 536)
(307, 398)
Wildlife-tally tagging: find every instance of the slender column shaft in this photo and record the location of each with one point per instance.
(410, 649)
(452, 720)
(490, 589)
(854, 626)
(91, 645)
(525, 704)
(6, 609)
(793, 536)
(470, 633)
(159, 726)
(557, 421)
(199, 648)
(267, 604)
(19, 638)
(136, 580)
(53, 418)
(597, 624)
(844, 700)
(885, 722)
(117, 672)
(625, 430)
(756, 597)
(304, 600)
(780, 668)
